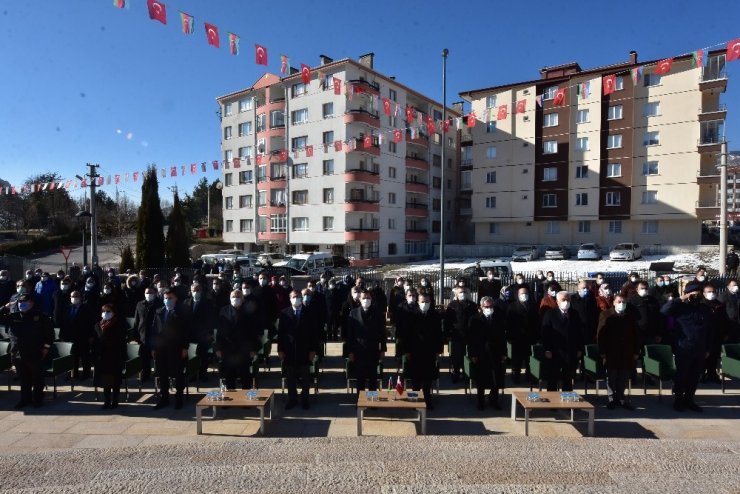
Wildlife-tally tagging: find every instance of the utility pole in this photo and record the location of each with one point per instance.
(723, 209)
(93, 176)
(442, 179)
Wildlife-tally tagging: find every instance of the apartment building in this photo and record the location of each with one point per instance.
(639, 164)
(308, 178)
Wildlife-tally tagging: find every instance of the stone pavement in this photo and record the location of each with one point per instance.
(70, 444)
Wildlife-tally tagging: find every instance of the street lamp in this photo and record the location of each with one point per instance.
(442, 211)
(84, 214)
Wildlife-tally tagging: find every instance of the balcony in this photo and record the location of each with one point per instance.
(710, 143)
(713, 79)
(362, 116)
(364, 176)
(713, 112)
(417, 162)
(707, 176)
(362, 234)
(707, 209)
(271, 236)
(416, 234)
(373, 150)
(363, 86)
(417, 187)
(417, 209)
(420, 140)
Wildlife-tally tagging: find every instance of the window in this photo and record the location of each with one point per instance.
(649, 227)
(300, 170)
(329, 195)
(436, 182)
(228, 155)
(278, 197)
(437, 159)
(583, 116)
(614, 141)
(582, 199)
(277, 119)
(245, 152)
(328, 223)
(278, 171)
(298, 143)
(491, 177)
(436, 204)
(491, 101)
(651, 80)
(228, 202)
(651, 109)
(650, 168)
(392, 94)
(619, 83)
(261, 198)
(261, 145)
(550, 147)
(391, 172)
(490, 152)
(327, 82)
(262, 224)
(550, 120)
(299, 116)
(229, 225)
(260, 122)
(246, 226)
(328, 138)
(615, 226)
(245, 201)
(245, 128)
(391, 223)
(494, 228)
(491, 127)
(613, 198)
(391, 197)
(227, 109)
(298, 89)
(227, 133)
(227, 180)
(552, 228)
(300, 197)
(491, 202)
(615, 112)
(584, 227)
(549, 93)
(261, 173)
(549, 174)
(437, 138)
(245, 104)
(328, 167)
(391, 147)
(392, 249)
(466, 180)
(392, 121)
(245, 177)
(649, 196)
(651, 138)
(582, 171)
(549, 201)
(300, 224)
(327, 109)
(278, 223)
(614, 170)
(582, 144)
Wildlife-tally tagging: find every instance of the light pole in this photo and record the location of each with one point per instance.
(442, 178)
(219, 186)
(83, 215)
(723, 209)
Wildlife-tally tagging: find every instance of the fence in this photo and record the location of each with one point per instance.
(482, 251)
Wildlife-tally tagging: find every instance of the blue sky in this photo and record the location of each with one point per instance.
(82, 81)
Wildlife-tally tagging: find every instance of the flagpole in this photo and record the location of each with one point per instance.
(442, 178)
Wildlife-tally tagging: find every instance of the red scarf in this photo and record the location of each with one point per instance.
(104, 325)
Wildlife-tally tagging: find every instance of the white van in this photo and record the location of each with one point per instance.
(313, 263)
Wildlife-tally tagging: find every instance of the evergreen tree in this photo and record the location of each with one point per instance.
(127, 259)
(178, 237)
(150, 224)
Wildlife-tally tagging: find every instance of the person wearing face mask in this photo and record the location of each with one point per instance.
(549, 301)
(719, 328)
(298, 342)
(349, 305)
(180, 286)
(605, 300)
(691, 336)
(379, 298)
(201, 313)
(282, 292)
(404, 321)
(456, 321)
(239, 328)
(76, 325)
(396, 296)
(268, 302)
(110, 351)
(522, 331)
(562, 331)
(366, 343)
(317, 302)
(650, 322)
(144, 279)
(658, 291)
(619, 347)
(537, 289)
(144, 328)
(731, 300)
(599, 280)
(31, 336)
(486, 341)
(91, 291)
(700, 278)
(219, 294)
(45, 289)
(629, 289)
(425, 287)
(423, 345)
(584, 302)
(61, 300)
(334, 303)
(490, 287)
(111, 295)
(132, 293)
(170, 348)
(549, 280)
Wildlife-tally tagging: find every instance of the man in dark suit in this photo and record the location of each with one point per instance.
(486, 340)
(239, 327)
(562, 333)
(298, 342)
(76, 324)
(144, 328)
(201, 314)
(731, 299)
(423, 344)
(366, 341)
(170, 348)
(317, 302)
(619, 347)
(457, 320)
(522, 330)
(268, 302)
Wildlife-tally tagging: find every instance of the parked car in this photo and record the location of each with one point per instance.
(525, 253)
(589, 252)
(625, 252)
(270, 258)
(553, 252)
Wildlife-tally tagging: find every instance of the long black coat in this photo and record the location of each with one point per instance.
(562, 337)
(457, 318)
(170, 336)
(144, 320)
(422, 343)
(297, 337)
(522, 323)
(238, 332)
(202, 317)
(589, 314)
(77, 329)
(650, 322)
(110, 352)
(486, 341)
(366, 336)
(618, 339)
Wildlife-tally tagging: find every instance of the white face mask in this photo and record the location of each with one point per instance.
(197, 295)
(733, 289)
(461, 296)
(424, 283)
(701, 278)
(642, 292)
(620, 307)
(296, 302)
(355, 295)
(490, 277)
(151, 297)
(246, 291)
(263, 281)
(76, 300)
(552, 293)
(550, 278)
(523, 297)
(177, 283)
(216, 288)
(607, 293)
(366, 303)
(65, 287)
(107, 291)
(406, 287)
(633, 279)
(236, 302)
(424, 306)
(564, 305)
(106, 316)
(710, 295)
(487, 311)
(410, 300)
(283, 283)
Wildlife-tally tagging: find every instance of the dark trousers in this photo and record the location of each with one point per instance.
(332, 327)
(689, 368)
(426, 386)
(231, 369)
(457, 354)
(170, 364)
(616, 383)
(293, 372)
(31, 375)
(710, 363)
(111, 394)
(367, 377)
(491, 377)
(519, 358)
(202, 352)
(563, 371)
(146, 362)
(81, 353)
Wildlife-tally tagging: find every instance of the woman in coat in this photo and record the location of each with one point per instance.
(110, 354)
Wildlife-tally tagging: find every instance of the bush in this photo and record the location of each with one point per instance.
(38, 244)
(127, 260)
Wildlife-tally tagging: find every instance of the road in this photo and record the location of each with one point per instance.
(108, 255)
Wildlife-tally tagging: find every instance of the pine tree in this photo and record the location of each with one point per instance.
(150, 224)
(127, 259)
(178, 237)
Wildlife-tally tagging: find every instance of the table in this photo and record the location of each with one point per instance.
(552, 402)
(386, 402)
(237, 399)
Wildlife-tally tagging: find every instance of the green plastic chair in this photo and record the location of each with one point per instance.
(593, 368)
(537, 365)
(468, 373)
(659, 363)
(313, 372)
(6, 363)
(60, 361)
(730, 362)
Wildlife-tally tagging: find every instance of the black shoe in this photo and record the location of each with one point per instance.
(678, 406)
(611, 405)
(291, 404)
(627, 405)
(21, 404)
(106, 406)
(114, 405)
(691, 405)
(163, 402)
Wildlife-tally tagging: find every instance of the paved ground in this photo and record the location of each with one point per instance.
(70, 444)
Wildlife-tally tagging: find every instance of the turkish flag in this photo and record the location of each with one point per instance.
(260, 54)
(237, 163)
(173, 171)
(664, 66)
(305, 74)
(118, 179)
(212, 34)
(337, 145)
(409, 114)
(471, 119)
(136, 176)
(609, 83)
(309, 151)
(258, 159)
(733, 50)
(283, 64)
(387, 106)
(521, 106)
(445, 125)
(367, 142)
(559, 99)
(283, 155)
(397, 135)
(337, 85)
(503, 112)
(157, 11)
(214, 163)
(431, 129)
